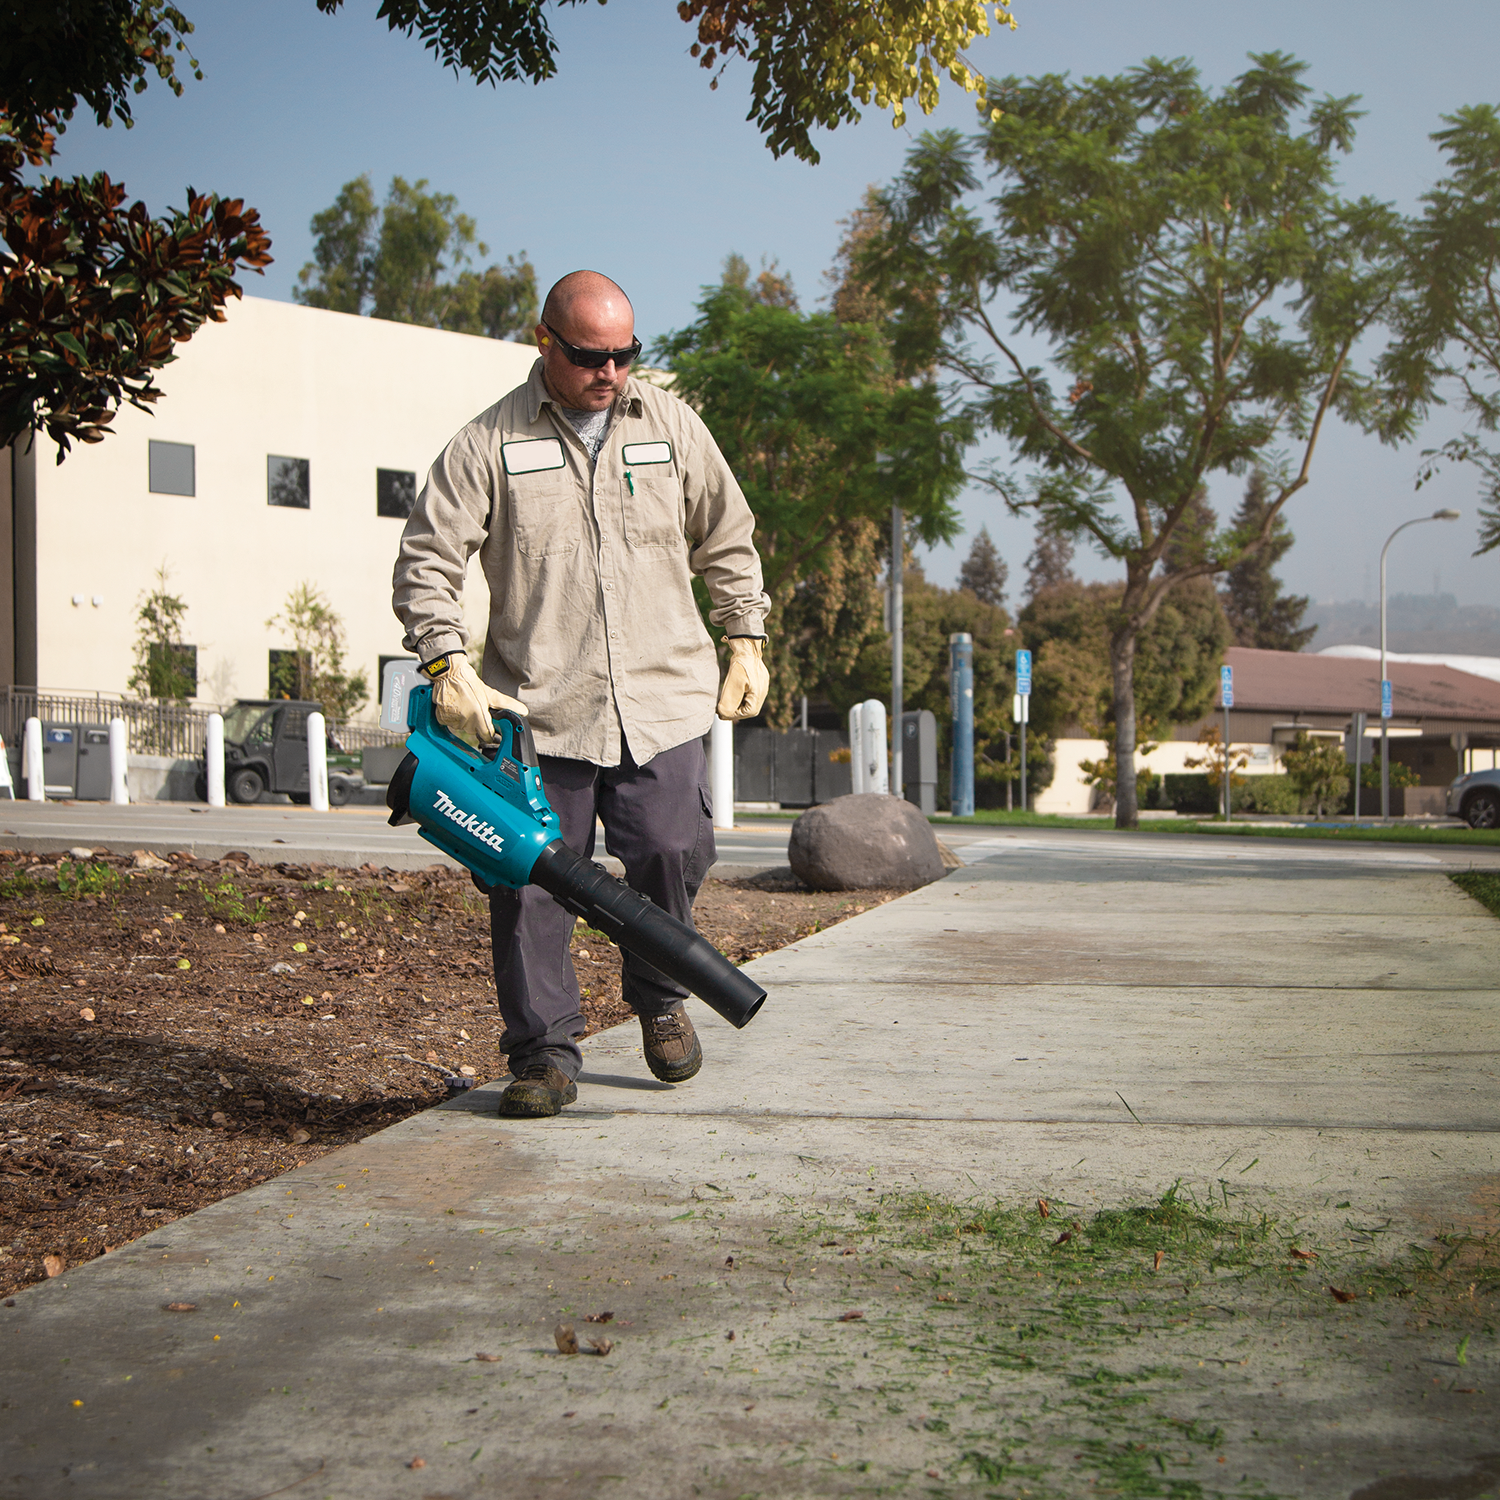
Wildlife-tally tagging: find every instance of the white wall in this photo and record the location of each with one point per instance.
(349, 394)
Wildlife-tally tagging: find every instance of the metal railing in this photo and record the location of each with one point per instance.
(152, 727)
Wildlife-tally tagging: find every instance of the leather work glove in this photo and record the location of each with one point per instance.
(747, 681)
(461, 701)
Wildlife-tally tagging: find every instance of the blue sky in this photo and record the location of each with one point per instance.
(627, 162)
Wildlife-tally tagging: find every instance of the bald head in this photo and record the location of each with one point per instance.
(590, 312)
(585, 294)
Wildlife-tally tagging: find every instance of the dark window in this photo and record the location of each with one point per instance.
(395, 493)
(170, 468)
(288, 482)
(285, 675)
(172, 670)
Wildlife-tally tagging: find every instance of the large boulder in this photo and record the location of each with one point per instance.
(862, 841)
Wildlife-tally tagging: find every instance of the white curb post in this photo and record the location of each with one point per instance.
(31, 762)
(317, 762)
(213, 746)
(873, 745)
(721, 771)
(119, 760)
(857, 748)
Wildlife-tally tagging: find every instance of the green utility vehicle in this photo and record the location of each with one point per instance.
(265, 750)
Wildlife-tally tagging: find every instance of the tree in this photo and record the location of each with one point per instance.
(315, 668)
(1318, 771)
(1259, 613)
(164, 667)
(983, 571)
(814, 61)
(1050, 565)
(395, 262)
(822, 438)
(1218, 761)
(1157, 237)
(1448, 322)
(95, 296)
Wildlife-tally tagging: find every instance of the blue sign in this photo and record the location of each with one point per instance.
(1226, 687)
(1023, 673)
(1385, 699)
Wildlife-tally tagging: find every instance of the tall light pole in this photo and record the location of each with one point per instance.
(1386, 700)
(898, 642)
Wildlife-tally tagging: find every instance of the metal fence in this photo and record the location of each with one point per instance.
(152, 727)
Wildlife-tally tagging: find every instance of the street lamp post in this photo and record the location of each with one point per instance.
(1386, 701)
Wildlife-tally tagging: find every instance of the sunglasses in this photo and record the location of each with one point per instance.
(595, 359)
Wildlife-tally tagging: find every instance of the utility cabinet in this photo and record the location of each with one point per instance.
(919, 759)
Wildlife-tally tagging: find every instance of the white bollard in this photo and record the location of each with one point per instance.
(872, 739)
(119, 761)
(856, 748)
(721, 772)
(317, 762)
(213, 747)
(31, 762)
(6, 784)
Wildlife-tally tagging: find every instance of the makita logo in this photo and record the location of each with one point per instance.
(471, 823)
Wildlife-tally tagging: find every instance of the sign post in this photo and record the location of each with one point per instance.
(961, 675)
(1226, 700)
(1385, 749)
(1358, 728)
(1022, 712)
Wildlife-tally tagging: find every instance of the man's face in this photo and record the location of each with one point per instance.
(600, 322)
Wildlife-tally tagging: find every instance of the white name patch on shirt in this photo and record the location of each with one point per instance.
(647, 453)
(532, 454)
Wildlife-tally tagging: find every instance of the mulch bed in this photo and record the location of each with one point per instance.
(174, 1031)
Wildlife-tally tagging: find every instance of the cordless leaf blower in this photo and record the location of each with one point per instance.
(487, 809)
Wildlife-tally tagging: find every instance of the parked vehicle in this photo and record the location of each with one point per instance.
(1476, 798)
(265, 750)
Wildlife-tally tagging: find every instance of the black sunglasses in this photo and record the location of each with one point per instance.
(595, 359)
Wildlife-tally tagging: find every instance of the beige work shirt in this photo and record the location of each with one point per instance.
(593, 624)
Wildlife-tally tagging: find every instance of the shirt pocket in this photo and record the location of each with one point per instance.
(653, 514)
(545, 514)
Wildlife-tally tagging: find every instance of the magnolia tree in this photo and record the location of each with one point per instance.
(1198, 286)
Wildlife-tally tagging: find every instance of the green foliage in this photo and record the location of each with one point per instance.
(823, 440)
(1448, 318)
(1145, 228)
(1318, 770)
(983, 572)
(230, 904)
(1482, 885)
(1398, 773)
(315, 668)
(403, 261)
(78, 878)
(163, 669)
(1221, 762)
(94, 295)
(1272, 794)
(1259, 613)
(97, 51)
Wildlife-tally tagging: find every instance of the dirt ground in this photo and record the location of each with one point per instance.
(174, 1031)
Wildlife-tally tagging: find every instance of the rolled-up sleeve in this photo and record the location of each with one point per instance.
(447, 526)
(721, 528)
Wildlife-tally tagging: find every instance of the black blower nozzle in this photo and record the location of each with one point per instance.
(641, 927)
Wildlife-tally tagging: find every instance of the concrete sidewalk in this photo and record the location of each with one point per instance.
(1065, 1025)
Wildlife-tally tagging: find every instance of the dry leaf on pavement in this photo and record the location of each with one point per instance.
(179, 1307)
(1303, 1254)
(1042, 1209)
(851, 1317)
(601, 1346)
(567, 1340)
(488, 1359)
(1339, 1295)
(54, 1265)
(604, 1317)
(1156, 1264)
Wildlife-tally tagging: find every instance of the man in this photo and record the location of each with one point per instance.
(593, 499)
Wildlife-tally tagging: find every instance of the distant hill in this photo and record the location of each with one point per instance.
(1414, 622)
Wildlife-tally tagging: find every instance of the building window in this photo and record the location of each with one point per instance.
(170, 468)
(172, 670)
(288, 482)
(395, 493)
(285, 675)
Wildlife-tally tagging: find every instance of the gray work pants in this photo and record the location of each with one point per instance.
(658, 823)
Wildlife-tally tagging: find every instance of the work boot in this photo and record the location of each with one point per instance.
(540, 1090)
(672, 1050)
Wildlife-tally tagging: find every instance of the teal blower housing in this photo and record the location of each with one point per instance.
(487, 809)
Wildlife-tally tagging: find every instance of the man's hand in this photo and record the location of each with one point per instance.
(747, 681)
(462, 702)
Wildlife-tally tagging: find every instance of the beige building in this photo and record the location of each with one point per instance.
(287, 447)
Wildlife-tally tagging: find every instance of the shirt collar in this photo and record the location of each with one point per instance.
(538, 396)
